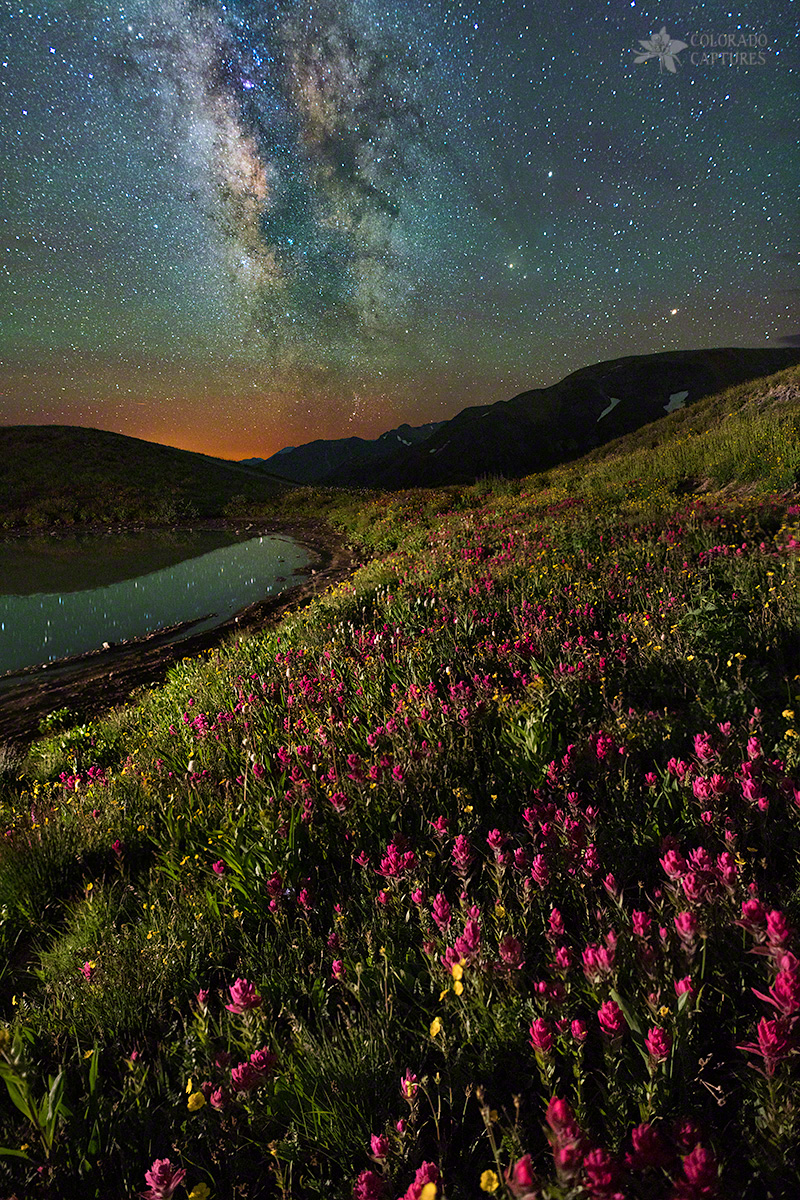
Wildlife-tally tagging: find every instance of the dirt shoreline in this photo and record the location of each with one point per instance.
(93, 683)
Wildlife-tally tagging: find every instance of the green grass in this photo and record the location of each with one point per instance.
(533, 694)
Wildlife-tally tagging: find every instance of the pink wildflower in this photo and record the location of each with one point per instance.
(612, 1022)
(659, 1044)
(245, 1077)
(700, 1176)
(540, 871)
(369, 1186)
(409, 1085)
(468, 945)
(772, 1046)
(263, 1061)
(521, 1178)
(641, 923)
(563, 959)
(379, 1145)
(704, 747)
(440, 827)
(511, 952)
(648, 1150)
(686, 926)
(556, 922)
(779, 931)
(674, 864)
(162, 1179)
(243, 997)
(541, 1036)
(753, 915)
(339, 801)
(427, 1173)
(601, 1172)
(561, 1120)
(785, 991)
(567, 1141)
(462, 854)
(441, 911)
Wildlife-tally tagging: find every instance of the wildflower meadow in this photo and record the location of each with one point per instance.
(478, 875)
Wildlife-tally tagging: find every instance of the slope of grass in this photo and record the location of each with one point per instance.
(715, 440)
(478, 876)
(53, 475)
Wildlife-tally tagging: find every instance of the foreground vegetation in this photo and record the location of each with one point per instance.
(478, 876)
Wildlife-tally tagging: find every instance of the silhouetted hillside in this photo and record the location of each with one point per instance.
(544, 426)
(67, 475)
(316, 461)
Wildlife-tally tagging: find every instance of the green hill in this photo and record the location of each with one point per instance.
(63, 475)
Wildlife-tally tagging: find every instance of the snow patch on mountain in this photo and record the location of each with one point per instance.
(615, 400)
(676, 400)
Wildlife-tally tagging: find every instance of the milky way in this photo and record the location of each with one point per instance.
(300, 136)
(234, 225)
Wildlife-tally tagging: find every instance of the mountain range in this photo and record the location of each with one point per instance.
(533, 430)
(321, 459)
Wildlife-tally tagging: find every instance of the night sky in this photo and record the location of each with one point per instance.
(236, 226)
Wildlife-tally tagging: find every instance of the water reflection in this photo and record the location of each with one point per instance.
(46, 625)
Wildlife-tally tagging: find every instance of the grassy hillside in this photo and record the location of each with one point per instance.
(63, 475)
(478, 876)
(722, 423)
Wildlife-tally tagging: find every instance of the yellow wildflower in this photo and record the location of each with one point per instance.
(428, 1192)
(489, 1182)
(196, 1101)
(458, 987)
(436, 1027)
(457, 971)
(200, 1191)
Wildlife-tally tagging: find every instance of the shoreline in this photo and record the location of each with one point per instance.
(95, 682)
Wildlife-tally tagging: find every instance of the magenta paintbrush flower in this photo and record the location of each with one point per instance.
(773, 1045)
(612, 1022)
(659, 1044)
(243, 997)
(162, 1180)
(541, 1036)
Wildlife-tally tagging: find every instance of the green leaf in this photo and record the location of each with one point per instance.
(94, 1067)
(18, 1097)
(93, 1148)
(6, 1152)
(55, 1097)
(627, 1012)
